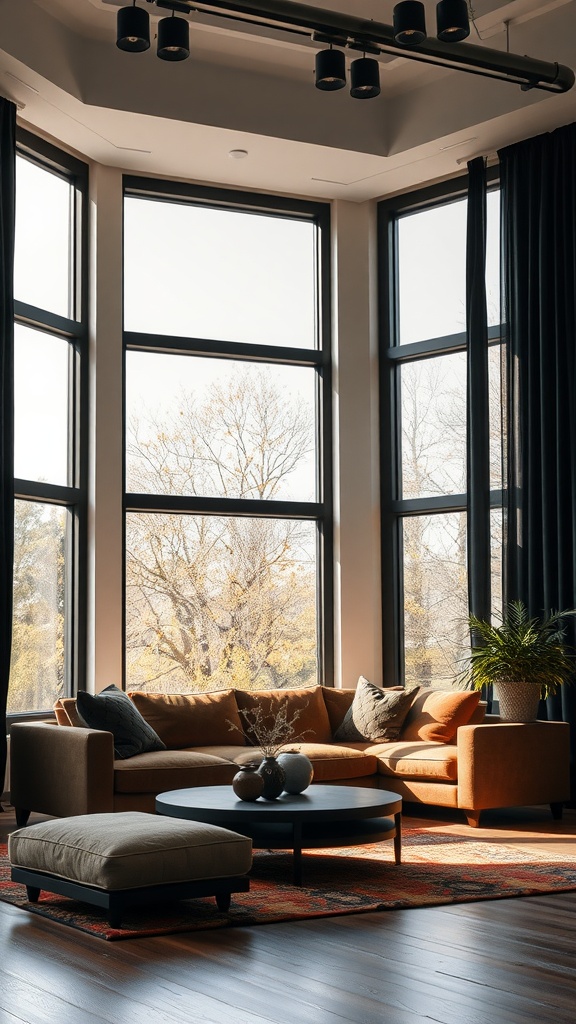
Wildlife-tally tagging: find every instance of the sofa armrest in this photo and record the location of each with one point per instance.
(61, 770)
(505, 764)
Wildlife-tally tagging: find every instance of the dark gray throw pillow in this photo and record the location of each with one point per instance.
(112, 711)
(375, 714)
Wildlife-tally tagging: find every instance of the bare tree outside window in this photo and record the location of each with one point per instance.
(202, 427)
(434, 426)
(37, 665)
(432, 436)
(50, 465)
(227, 439)
(216, 601)
(435, 601)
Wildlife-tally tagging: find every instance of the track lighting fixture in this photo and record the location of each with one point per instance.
(173, 38)
(330, 73)
(133, 29)
(364, 78)
(409, 23)
(452, 21)
(407, 37)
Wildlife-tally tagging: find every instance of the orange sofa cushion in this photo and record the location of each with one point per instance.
(432, 761)
(337, 704)
(312, 724)
(191, 719)
(171, 769)
(61, 716)
(478, 716)
(332, 763)
(436, 715)
(66, 712)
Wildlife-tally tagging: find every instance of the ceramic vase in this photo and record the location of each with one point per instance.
(273, 776)
(248, 784)
(298, 770)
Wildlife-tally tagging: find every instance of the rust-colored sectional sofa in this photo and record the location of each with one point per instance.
(472, 762)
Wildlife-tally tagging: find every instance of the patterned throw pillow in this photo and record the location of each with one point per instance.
(375, 714)
(112, 711)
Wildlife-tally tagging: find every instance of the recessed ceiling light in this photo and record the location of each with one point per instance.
(238, 154)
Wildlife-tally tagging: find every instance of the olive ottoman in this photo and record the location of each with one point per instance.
(119, 860)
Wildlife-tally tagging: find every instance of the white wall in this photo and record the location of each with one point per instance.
(357, 500)
(356, 491)
(105, 527)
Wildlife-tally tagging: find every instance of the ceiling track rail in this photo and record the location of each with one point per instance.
(357, 33)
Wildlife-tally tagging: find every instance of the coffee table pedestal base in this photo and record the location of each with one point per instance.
(298, 836)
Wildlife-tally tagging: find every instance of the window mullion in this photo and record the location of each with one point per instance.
(245, 424)
(424, 439)
(49, 610)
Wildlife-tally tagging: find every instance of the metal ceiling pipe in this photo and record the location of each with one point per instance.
(527, 72)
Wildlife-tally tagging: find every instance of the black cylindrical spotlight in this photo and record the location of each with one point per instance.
(173, 39)
(330, 70)
(133, 29)
(409, 23)
(452, 20)
(364, 78)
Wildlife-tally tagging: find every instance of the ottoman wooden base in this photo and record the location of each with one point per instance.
(115, 903)
(120, 860)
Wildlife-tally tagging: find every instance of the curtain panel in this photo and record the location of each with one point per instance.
(7, 228)
(477, 402)
(478, 452)
(538, 182)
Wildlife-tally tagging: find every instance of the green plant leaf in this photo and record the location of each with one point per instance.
(520, 649)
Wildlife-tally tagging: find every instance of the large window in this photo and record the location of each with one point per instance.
(424, 433)
(227, 427)
(49, 445)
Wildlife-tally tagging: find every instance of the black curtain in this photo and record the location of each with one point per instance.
(478, 468)
(538, 180)
(478, 450)
(7, 223)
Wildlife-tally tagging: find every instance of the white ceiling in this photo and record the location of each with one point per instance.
(252, 88)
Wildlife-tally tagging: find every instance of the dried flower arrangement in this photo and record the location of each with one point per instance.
(272, 731)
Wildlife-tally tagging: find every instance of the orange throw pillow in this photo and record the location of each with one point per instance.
(192, 719)
(61, 716)
(337, 704)
(436, 715)
(312, 723)
(67, 713)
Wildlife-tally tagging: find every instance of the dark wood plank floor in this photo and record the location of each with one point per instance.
(501, 962)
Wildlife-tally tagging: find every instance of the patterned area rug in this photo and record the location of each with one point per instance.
(438, 868)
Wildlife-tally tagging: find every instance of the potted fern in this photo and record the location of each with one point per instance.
(525, 658)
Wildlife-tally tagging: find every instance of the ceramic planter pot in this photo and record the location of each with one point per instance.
(518, 702)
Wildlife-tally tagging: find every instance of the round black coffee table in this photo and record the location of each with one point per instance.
(322, 816)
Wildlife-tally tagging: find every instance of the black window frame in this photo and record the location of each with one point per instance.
(73, 329)
(392, 356)
(319, 359)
